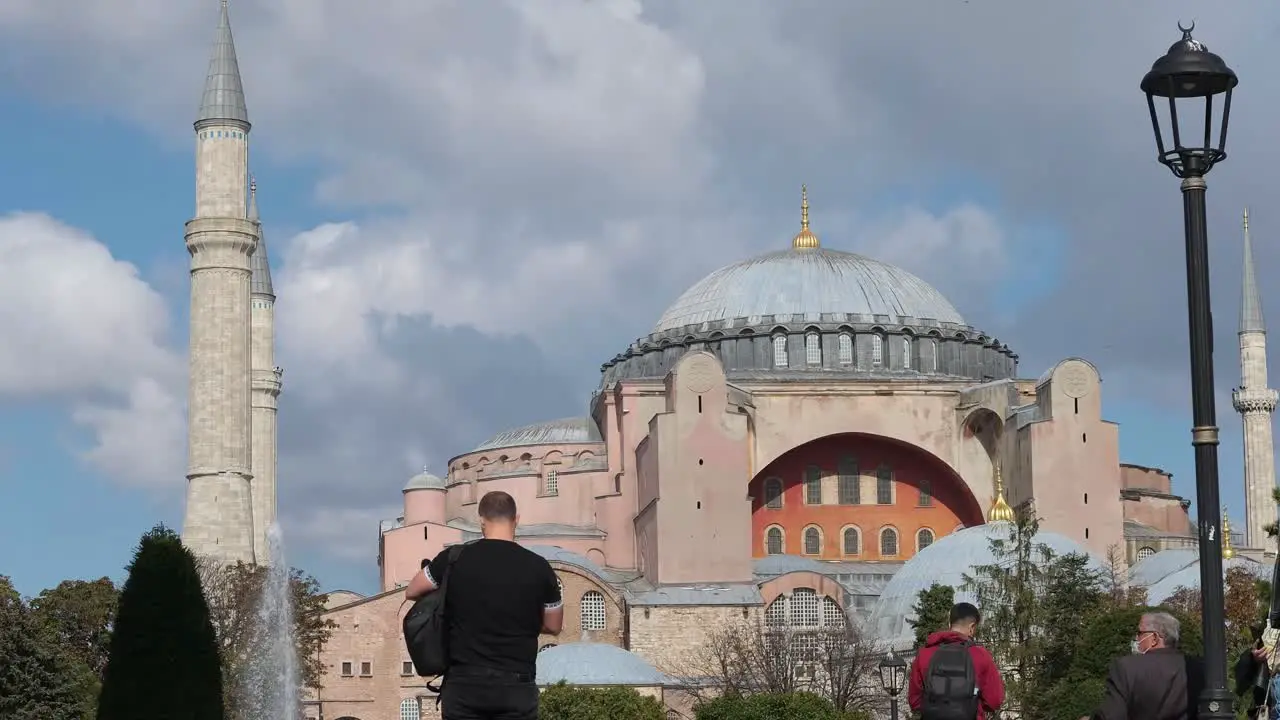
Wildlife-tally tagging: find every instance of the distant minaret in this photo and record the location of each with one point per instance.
(1255, 402)
(266, 384)
(221, 239)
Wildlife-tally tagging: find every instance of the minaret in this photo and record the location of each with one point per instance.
(221, 240)
(1255, 402)
(266, 384)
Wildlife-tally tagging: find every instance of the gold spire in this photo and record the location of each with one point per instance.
(1000, 510)
(804, 239)
(1228, 552)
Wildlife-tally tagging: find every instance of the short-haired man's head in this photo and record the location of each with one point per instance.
(497, 506)
(965, 618)
(1158, 629)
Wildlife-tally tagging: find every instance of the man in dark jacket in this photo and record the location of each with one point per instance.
(1155, 682)
(930, 683)
(1252, 678)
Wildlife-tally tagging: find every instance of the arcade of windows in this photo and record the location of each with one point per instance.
(848, 487)
(928, 347)
(813, 543)
(807, 619)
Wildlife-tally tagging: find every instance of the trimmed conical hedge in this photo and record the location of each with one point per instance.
(164, 656)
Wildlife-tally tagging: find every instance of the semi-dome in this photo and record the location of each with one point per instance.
(1189, 577)
(812, 282)
(553, 432)
(946, 562)
(585, 663)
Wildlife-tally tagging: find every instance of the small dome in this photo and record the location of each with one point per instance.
(595, 664)
(1154, 568)
(1189, 577)
(809, 281)
(553, 432)
(424, 481)
(946, 562)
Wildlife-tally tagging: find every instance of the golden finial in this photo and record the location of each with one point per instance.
(1000, 510)
(804, 239)
(1228, 552)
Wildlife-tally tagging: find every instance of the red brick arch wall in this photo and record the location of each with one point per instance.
(952, 503)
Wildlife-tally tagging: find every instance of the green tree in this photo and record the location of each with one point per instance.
(37, 680)
(1106, 637)
(572, 702)
(232, 591)
(164, 661)
(1009, 591)
(932, 611)
(79, 615)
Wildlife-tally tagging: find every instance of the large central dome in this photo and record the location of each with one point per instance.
(808, 281)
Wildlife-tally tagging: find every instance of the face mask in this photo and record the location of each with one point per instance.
(1135, 647)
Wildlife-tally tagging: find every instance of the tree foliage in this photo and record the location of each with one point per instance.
(1105, 637)
(79, 615)
(164, 661)
(932, 611)
(571, 702)
(233, 592)
(751, 657)
(37, 680)
(771, 706)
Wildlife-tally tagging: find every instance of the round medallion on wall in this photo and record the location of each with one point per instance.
(700, 374)
(1075, 378)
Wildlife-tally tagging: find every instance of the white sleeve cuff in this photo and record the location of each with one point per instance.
(427, 571)
(553, 606)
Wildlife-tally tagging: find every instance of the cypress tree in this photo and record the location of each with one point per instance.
(164, 661)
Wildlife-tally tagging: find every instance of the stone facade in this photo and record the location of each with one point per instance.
(233, 384)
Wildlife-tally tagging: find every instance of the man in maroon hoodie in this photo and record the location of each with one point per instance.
(952, 678)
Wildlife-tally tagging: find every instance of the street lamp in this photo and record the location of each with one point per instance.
(1184, 77)
(893, 677)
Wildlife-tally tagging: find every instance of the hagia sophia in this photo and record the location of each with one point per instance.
(808, 436)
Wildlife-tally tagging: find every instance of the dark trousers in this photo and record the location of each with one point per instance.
(483, 694)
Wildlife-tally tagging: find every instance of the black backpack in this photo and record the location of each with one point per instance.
(950, 684)
(426, 629)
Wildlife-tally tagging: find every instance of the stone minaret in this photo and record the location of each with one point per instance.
(221, 239)
(1255, 402)
(266, 384)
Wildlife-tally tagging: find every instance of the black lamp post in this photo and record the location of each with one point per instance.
(1185, 77)
(893, 678)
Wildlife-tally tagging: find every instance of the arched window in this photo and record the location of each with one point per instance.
(931, 361)
(773, 541)
(812, 541)
(888, 542)
(845, 348)
(1145, 552)
(779, 350)
(803, 607)
(832, 614)
(924, 538)
(812, 349)
(906, 353)
(409, 710)
(884, 486)
(813, 486)
(926, 493)
(851, 544)
(877, 349)
(850, 492)
(773, 493)
(593, 617)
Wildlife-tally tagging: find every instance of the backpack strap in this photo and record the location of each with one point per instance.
(455, 552)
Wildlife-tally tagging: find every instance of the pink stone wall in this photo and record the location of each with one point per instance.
(424, 505)
(1140, 477)
(404, 548)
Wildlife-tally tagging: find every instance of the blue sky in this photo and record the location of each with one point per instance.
(546, 234)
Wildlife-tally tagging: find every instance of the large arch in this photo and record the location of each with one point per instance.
(896, 487)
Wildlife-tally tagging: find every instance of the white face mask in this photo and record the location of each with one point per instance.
(1135, 647)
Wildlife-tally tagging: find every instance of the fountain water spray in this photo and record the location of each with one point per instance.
(272, 679)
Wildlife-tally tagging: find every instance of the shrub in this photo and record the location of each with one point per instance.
(163, 663)
(574, 702)
(1106, 637)
(773, 706)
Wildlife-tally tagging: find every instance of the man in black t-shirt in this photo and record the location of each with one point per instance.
(501, 597)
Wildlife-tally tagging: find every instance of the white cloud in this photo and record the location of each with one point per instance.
(81, 326)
